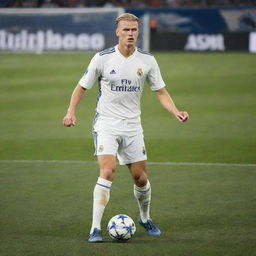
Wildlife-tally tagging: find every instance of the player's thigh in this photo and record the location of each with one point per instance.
(107, 165)
(139, 173)
(106, 147)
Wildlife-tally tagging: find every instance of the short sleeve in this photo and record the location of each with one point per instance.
(154, 77)
(92, 73)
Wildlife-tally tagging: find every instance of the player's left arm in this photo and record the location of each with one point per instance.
(167, 102)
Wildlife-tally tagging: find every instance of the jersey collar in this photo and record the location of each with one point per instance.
(121, 55)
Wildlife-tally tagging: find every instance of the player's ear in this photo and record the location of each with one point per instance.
(117, 32)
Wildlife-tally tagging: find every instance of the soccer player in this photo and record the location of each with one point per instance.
(121, 72)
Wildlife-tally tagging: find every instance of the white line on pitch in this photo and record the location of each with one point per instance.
(149, 163)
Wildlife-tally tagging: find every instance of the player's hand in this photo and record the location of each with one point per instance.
(182, 116)
(69, 120)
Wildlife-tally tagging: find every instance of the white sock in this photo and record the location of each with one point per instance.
(101, 196)
(143, 196)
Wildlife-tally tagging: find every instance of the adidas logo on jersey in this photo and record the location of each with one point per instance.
(113, 72)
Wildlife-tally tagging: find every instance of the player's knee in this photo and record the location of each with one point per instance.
(107, 166)
(140, 180)
(107, 172)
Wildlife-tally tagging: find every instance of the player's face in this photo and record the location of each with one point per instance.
(127, 32)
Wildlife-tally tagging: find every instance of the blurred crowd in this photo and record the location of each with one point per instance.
(125, 3)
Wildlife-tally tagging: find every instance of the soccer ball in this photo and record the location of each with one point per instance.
(121, 227)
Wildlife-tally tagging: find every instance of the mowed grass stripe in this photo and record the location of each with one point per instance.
(201, 210)
(149, 163)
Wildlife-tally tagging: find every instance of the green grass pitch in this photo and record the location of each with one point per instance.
(202, 209)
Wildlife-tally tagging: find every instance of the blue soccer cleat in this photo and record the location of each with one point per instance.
(151, 228)
(95, 236)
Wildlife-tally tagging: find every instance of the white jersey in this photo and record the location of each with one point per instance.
(121, 81)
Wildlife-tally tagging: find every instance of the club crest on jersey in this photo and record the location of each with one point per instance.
(113, 72)
(101, 148)
(139, 72)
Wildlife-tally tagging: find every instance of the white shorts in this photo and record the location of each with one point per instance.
(121, 138)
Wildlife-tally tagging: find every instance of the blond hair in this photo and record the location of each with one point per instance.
(127, 17)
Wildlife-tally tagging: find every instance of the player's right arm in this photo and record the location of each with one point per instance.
(70, 118)
(86, 82)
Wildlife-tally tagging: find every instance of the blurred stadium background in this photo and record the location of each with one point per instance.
(190, 25)
(125, 3)
(203, 173)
